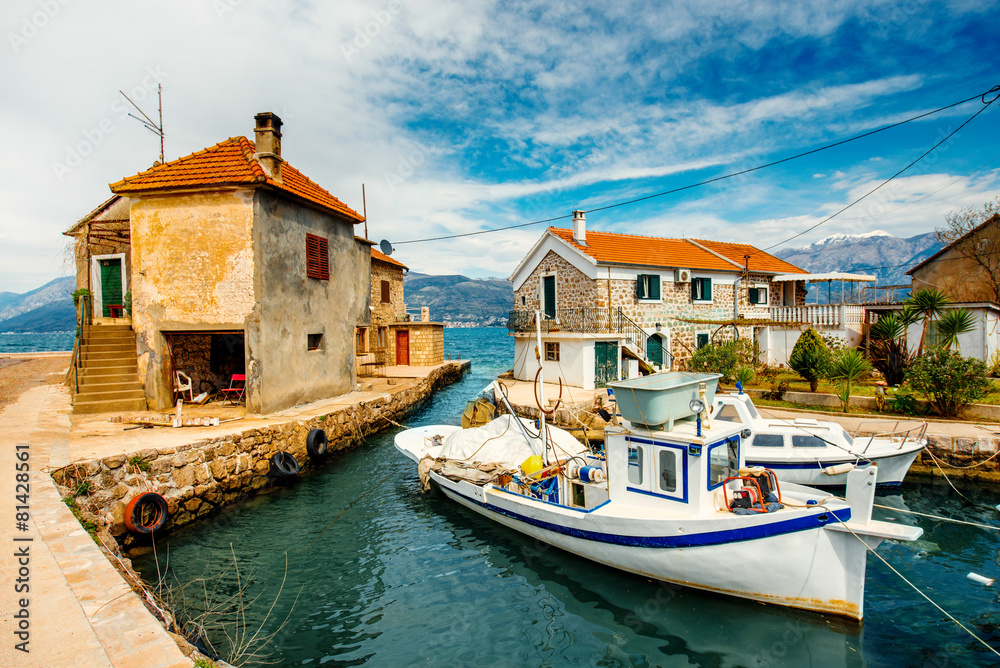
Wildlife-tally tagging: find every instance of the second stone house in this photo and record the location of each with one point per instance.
(616, 305)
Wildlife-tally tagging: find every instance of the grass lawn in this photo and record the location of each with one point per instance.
(863, 389)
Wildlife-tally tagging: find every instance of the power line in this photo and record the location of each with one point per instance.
(731, 175)
(986, 105)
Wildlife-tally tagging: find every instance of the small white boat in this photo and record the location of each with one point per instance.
(820, 453)
(678, 506)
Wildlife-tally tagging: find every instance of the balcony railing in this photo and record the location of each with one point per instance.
(585, 320)
(831, 315)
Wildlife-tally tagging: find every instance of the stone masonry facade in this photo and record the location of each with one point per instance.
(386, 313)
(574, 290)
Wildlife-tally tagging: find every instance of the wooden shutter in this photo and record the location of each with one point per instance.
(317, 257)
(385, 292)
(654, 286)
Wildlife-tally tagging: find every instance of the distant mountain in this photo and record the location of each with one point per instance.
(45, 309)
(878, 253)
(460, 299)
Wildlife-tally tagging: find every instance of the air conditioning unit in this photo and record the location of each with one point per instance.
(682, 276)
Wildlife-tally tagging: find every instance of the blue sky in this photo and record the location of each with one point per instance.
(462, 116)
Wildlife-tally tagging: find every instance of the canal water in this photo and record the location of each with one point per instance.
(353, 565)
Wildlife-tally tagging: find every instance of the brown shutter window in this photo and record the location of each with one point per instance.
(317, 257)
(385, 292)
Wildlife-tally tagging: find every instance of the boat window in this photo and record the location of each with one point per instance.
(635, 464)
(728, 413)
(668, 471)
(807, 441)
(723, 461)
(848, 439)
(768, 441)
(753, 410)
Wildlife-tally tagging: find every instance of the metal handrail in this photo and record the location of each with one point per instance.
(82, 318)
(915, 433)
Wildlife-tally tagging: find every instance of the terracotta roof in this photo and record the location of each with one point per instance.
(230, 163)
(610, 248)
(376, 255)
(759, 260)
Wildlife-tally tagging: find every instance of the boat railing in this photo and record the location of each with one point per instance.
(905, 434)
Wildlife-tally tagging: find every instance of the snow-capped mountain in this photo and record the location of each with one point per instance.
(877, 252)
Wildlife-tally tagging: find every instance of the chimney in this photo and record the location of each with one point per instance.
(580, 227)
(267, 136)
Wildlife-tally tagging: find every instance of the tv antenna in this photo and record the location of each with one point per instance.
(146, 121)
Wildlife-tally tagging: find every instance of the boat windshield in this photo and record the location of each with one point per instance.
(753, 410)
(848, 439)
(728, 413)
(723, 461)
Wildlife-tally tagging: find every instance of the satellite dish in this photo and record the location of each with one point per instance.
(386, 247)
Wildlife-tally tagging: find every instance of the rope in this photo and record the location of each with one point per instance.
(945, 475)
(915, 588)
(965, 468)
(939, 517)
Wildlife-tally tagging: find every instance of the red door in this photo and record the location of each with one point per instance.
(402, 347)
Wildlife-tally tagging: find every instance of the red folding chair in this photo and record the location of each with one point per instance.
(236, 392)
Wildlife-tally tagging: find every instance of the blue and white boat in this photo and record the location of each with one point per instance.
(821, 453)
(677, 505)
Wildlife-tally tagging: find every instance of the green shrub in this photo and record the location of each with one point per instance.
(887, 347)
(138, 463)
(810, 358)
(772, 377)
(847, 368)
(905, 401)
(716, 358)
(79, 292)
(949, 381)
(995, 364)
(744, 374)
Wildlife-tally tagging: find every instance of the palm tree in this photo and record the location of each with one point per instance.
(952, 323)
(887, 346)
(848, 367)
(927, 304)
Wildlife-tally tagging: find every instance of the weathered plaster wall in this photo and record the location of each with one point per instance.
(192, 269)
(959, 277)
(281, 370)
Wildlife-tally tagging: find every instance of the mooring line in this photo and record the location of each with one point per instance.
(938, 517)
(915, 588)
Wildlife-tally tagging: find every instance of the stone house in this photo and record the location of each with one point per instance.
(236, 263)
(400, 339)
(615, 304)
(967, 269)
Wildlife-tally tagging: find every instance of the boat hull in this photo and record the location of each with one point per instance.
(744, 557)
(892, 468)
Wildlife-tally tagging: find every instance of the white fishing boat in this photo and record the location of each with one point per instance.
(821, 453)
(676, 504)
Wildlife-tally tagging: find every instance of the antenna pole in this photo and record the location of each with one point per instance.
(364, 204)
(159, 95)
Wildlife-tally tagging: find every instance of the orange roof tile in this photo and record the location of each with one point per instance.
(230, 163)
(643, 251)
(759, 260)
(376, 255)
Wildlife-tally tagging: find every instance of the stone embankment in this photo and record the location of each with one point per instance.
(200, 478)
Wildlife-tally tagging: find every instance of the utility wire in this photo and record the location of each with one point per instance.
(723, 177)
(986, 105)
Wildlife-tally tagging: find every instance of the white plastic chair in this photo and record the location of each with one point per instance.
(182, 384)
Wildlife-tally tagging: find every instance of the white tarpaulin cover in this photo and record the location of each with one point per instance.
(502, 442)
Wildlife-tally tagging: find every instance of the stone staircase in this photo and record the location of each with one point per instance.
(109, 375)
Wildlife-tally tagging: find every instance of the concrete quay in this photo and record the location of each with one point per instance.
(81, 609)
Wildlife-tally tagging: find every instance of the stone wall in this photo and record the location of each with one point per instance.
(574, 290)
(385, 313)
(199, 479)
(426, 343)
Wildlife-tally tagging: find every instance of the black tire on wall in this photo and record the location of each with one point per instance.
(316, 443)
(284, 465)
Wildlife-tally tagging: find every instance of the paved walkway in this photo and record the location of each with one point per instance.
(80, 610)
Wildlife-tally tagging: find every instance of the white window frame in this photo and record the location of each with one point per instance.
(96, 294)
(710, 287)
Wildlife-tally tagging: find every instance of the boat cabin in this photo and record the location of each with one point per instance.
(679, 469)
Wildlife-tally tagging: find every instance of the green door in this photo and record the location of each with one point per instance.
(111, 285)
(549, 296)
(605, 363)
(654, 349)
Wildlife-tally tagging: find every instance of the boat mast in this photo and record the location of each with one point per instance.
(541, 388)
